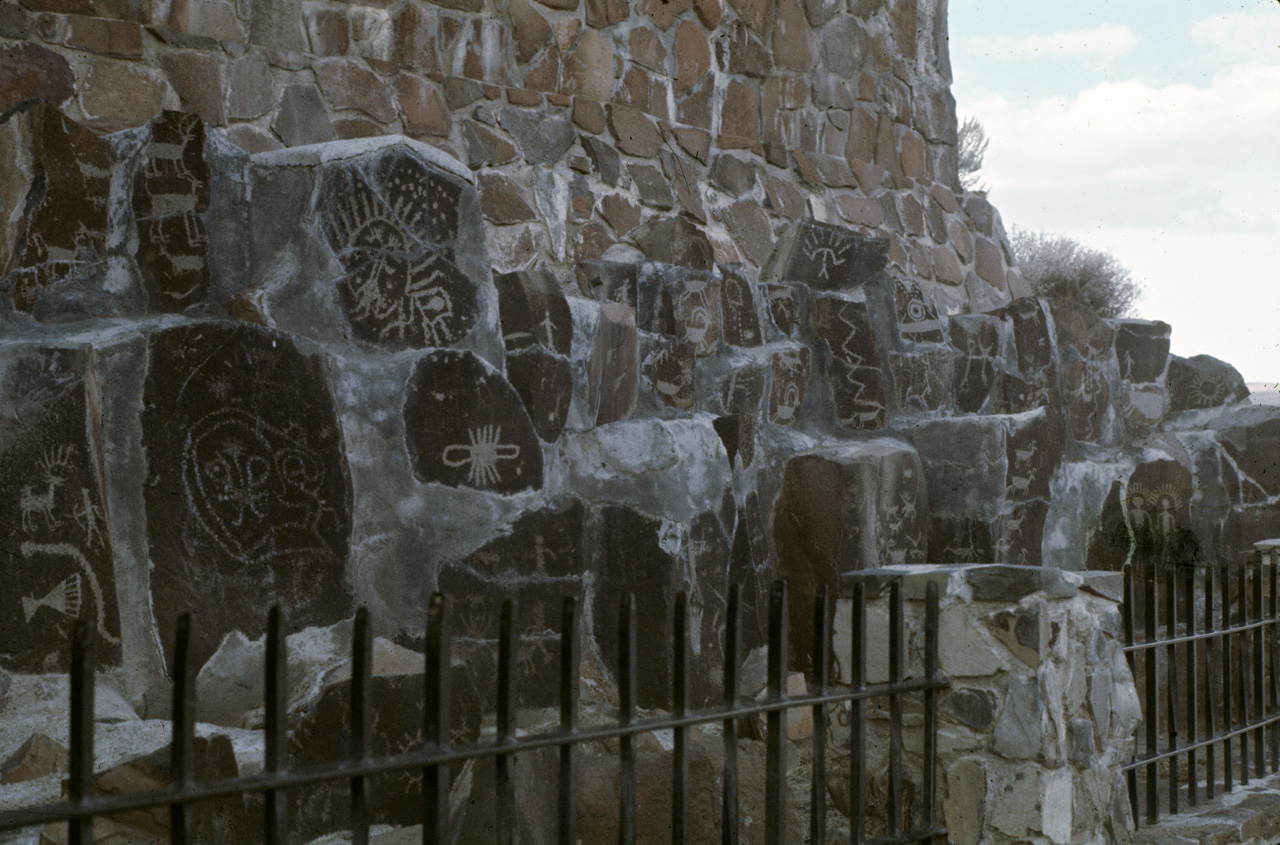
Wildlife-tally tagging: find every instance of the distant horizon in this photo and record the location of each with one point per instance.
(1144, 129)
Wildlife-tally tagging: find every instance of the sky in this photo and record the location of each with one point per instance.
(1150, 130)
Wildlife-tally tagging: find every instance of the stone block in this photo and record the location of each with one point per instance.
(1081, 329)
(669, 368)
(1024, 631)
(845, 508)
(964, 463)
(542, 139)
(1202, 382)
(54, 509)
(613, 367)
(1020, 728)
(964, 651)
(674, 240)
(922, 380)
(826, 257)
(739, 310)
(302, 117)
(241, 498)
(973, 708)
(1142, 348)
(965, 807)
(789, 372)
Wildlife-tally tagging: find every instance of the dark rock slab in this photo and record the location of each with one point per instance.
(977, 335)
(844, 326)
(1033, 452)
(1203, 382)
(972, 383)
(743, 390)
(670, 370)
(394, 229)
(707, 587)
(783, 304)
(1158, 512)
(1142, 348)
(170, 198)
(544, 382)
(826, 257)
(975, 708)
(917, 315)
(695, 302)
(62, 233)
(739, 310)
(753, 575)
(1076, 326)
(1251, 436)
(1010, 584)
(1111, 542)
(788, 384)
(533, 310)
(1022, 533)
(922, 380)
(959, 539)
(738, 433)
(964, 465)
(846, 508)
(1031, 337)
(608, 281)
(248, 496)
(1086, 399)
(53, 511)
(613, 370)
(632, 559)
(467, 426)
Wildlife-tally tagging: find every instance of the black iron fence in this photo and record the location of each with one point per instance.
(1206, 670)
(438, 753)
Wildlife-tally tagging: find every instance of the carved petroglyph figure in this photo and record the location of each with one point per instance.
(63, 598)
(35, 501)
(62, 594)
(825, 248)
(481, 455)
(1022, 483)
(89, 516)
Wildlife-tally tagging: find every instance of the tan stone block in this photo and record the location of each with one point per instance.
(604, 13)
(532, 32)
(913, 156)
(946, 267)
(109, 38)
(250, 92)
(634, 90)
(870, 176)
(589, 115)
(740, 111)
(886, 149)
(634, 132)
(693, 55)
(590, 70)
(545, 75)
(251, 139)
(421, 106)
(962, 239)
(750, 228)
(207, 18)
(29, 70)
(757, 14)
(663, 13)
(501, 199)
(647, 49)
(965, 807)
(348, 84)
(620, 213)
(566, 31)
(794, 47)
(115, 95)
(861, 211)
(345, 128)
(197, 78)
(695, 142)
(989, 263)
(522, 97)
(709, 12)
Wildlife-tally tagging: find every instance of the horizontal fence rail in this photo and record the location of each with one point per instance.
(1214, 668)
(438, 753)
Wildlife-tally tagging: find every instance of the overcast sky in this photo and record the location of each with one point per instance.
(1150, 130)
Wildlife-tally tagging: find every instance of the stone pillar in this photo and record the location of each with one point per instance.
(1041, 711)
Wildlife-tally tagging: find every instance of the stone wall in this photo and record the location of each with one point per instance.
(583, 119)
(1041, 711)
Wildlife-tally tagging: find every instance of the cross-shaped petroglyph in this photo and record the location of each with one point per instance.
(481, 454)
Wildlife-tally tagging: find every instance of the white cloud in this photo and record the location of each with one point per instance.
(1241, 36)
(1179, 181)
(1099, 45)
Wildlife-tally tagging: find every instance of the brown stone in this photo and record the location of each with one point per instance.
(827, 257)
(566, 31)
(28, 70)
(740, 112)
(674, 241)
(758, 14)
(251, 139)
(214, 19)
(197, 77)
(634, 132)
(741, 52)
(15, 21)
(301, 117)
(348, 84)
(913, 156)
(250, 93)
(588, 114)
(38, 757)
(413, 37)
(501, 199)
(861, 211)
(684, 177)
(946, 266)
(751, 230)
(647, 49)
(634, 90)
(782, 197)
(522, 97)
(345, 128)
(695, 142)
(620, 213)
(988, 262)
(652, 186)
(605, 13)
(793, 43)
(592, 241)
(709, 12)
(422, 107)
(532, 32)
(545, 76)
(330, 32)
(107, 37)
(693, 55)
(561, 5)
(613, 367)
(663, 12)
(695, 109)
(590, 70)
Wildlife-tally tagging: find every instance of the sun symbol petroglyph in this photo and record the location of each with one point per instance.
(481, 454)
(36, 502)
(827, 249)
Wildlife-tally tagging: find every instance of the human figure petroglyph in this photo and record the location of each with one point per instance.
(826, 248)
(35, 502)
(481, 455)
(88, 516)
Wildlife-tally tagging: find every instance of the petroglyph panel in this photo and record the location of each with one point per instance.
(740, 313)
(1203, 382)
(394, 232)
(1087, 397)
(846, 329)
(707, 591)
(58, 563)
(973, 380)
(827, 257)
(613, 370)
(789, 382)
(696, 304)
(1022, 534)
(671, 369)
(170, 196)
(64, 227)
(248, 498)
(743, 390)
(1031, 337)
(917, 315)
(1081, 329)
(608, 281)
(467, 426)
(858, 395)
(922, 380)
(959, 539)
(544, 382)
(533, 310)
(782, 303)
(1142, 348)
(1033, 450)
